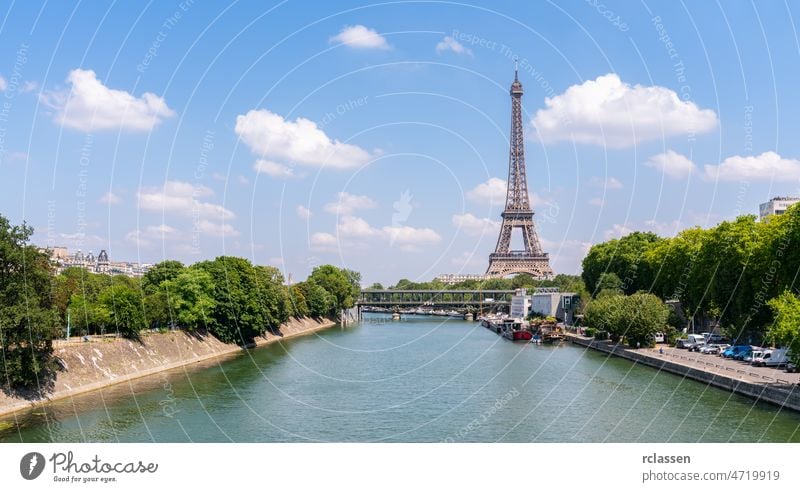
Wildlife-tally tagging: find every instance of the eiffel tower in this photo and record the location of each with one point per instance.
(518, 213)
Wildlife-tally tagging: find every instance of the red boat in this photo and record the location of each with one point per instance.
(514, 330)
(518, 335)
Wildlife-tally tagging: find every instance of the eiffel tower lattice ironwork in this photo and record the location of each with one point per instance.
(518, 212)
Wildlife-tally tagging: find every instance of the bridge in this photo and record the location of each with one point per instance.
(473, 301)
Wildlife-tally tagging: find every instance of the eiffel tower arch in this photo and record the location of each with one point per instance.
(518, 213)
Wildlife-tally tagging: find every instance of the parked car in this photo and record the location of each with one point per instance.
(749, 357)
(659, 337)
(747, 353)
(690, 341)
(772, 358)
(730, 352)
(791, 367)
(713, 348)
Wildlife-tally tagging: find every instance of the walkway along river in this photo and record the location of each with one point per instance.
(420, 379)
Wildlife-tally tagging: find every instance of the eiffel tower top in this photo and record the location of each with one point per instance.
(517, 200)
(516, 87)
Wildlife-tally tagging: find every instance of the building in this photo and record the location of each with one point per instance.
(520, 304)
(61, 260)
(549, 301)
(454, 278)
(776, 206)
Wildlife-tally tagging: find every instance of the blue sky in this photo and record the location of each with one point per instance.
(375, 136)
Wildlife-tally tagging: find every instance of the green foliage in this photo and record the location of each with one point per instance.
(785, 331)
(608, 281)
(319, 301)
(340, 283)
(229, 296)
(625, 257)
(725, 274)
(125, 308)
(237, 315)
(637, 317)
(27, 318)
(190, 297)
(161, 272)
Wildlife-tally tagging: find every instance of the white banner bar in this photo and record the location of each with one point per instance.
(371, 467)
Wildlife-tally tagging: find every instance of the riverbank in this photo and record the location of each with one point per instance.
(101, 362)
(762, 384)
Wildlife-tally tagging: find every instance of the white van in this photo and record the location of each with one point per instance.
(696, 339)
(774, 358)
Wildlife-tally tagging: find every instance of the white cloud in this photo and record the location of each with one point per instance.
(28, 86)
(300, 141)
(303, 212)
(493, 192)
(7, 157)
(350, 226)
(609, 183)
(450, 44)
(181, 198)
(671, 163)
(323, 241)
(90, 106)
(475, 226)
(145, 238)
(362, 37)
(110, 198)
(566, 255)
(664, 229)
(215, 229)
(273, 169)
(617, 231)
(766, 166)
(3, 83)
(347, 204)
(411, 239)
(469, 261)
(352, 231)
(609, 112)
(597, 202)
(243, 180)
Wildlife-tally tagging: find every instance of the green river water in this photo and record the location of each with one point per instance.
(419, 380)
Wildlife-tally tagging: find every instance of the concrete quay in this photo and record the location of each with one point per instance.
(761, 383)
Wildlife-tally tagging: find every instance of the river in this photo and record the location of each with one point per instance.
(419, 380)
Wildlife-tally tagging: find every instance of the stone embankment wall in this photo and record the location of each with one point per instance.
(784, 395)
(101, 362)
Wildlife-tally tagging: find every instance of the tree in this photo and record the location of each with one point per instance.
(320, 302)
(339, 284)
(785, 331)
(644, 315)
(126, 309)
(376, 286)
(161, 272)
(636, 317)
(28, 322)
(625, 257)
(608, 281)
(297, 299)
(273, 296)
(237, 316)
(191, 298)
